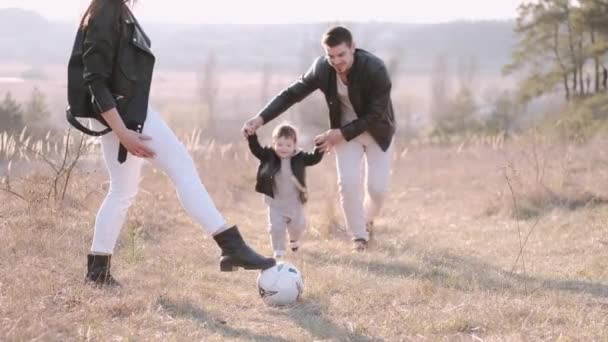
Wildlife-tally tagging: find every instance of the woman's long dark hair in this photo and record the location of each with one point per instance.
(96, 4)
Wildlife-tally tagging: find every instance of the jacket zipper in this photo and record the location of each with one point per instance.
(94, 98)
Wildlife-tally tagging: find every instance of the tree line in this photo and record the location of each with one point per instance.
(562, 45)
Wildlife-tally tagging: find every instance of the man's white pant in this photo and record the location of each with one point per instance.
(171, 157)
(357, 209)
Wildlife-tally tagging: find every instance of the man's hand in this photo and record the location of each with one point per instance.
(251, 126)
(329, 139)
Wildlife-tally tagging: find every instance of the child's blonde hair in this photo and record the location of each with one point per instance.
(286, 131)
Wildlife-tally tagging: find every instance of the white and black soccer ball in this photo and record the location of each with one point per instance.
(281, 284)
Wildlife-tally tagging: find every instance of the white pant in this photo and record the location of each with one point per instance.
(356, 209)
(171, 157)
(284, 221)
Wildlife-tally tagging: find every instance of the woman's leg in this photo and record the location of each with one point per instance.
(173, 158)
(124, 185)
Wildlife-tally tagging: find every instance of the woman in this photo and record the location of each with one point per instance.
(117, 71)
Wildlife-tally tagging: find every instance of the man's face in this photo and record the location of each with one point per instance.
(341, 57)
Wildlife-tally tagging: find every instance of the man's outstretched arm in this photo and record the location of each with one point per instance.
(295, 93)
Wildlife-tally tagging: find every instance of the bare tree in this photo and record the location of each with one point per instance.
(440, 88)
(209, 86)
(265, 81)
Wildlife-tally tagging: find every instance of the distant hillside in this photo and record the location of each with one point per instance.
(26, 37)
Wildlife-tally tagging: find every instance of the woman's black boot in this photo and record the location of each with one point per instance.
(236, 253)
(98, 270)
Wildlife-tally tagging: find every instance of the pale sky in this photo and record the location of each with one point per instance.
(288, 11)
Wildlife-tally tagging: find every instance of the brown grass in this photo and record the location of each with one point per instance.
(439, 269)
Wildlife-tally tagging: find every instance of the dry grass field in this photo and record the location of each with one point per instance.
(480, 241)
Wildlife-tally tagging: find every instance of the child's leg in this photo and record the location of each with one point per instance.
(296, 228)
(278, 230)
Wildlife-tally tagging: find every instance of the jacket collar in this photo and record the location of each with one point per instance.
(139, 38)
(357, 62)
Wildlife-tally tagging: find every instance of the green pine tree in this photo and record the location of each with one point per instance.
(11, 115)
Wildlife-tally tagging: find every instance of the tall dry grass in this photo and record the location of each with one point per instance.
(445, 264)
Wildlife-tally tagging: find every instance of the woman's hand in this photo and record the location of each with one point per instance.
(134, 142)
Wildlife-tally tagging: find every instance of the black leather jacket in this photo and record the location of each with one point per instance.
(118, 63)
(270, 164)
(369, 91)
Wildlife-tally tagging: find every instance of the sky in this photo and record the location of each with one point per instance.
(288, 11)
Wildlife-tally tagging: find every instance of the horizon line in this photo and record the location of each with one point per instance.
(312, 22)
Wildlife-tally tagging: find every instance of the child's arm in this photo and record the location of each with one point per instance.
(314, 157)
(255, 147)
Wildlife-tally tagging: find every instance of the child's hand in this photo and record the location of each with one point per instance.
(251, 126)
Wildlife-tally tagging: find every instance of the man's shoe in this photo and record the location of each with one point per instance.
(369, 227)
(360, 245)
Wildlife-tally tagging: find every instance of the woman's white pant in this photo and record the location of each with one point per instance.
(171, 157)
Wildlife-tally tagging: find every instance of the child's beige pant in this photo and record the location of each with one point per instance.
(283, 220)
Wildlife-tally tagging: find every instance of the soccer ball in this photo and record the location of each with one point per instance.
(281, 284)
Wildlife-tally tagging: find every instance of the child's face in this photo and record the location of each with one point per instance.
(284, 147)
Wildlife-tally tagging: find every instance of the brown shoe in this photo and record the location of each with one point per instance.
(359, 245)
(294, 245)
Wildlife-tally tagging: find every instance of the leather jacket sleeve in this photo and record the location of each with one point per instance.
(313, 158)
(99, 49)
(256, 149)
(380, 85)
(295, 93)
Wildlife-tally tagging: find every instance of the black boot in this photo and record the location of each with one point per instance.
(98, 270)
(236, 253)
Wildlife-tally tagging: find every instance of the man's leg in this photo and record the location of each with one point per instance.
(348, 162)
(377, 170)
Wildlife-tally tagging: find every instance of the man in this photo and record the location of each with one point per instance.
(357, 89)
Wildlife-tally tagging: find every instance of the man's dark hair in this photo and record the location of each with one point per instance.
(336, 36)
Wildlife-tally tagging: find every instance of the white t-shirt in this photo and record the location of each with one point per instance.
(348, 112)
